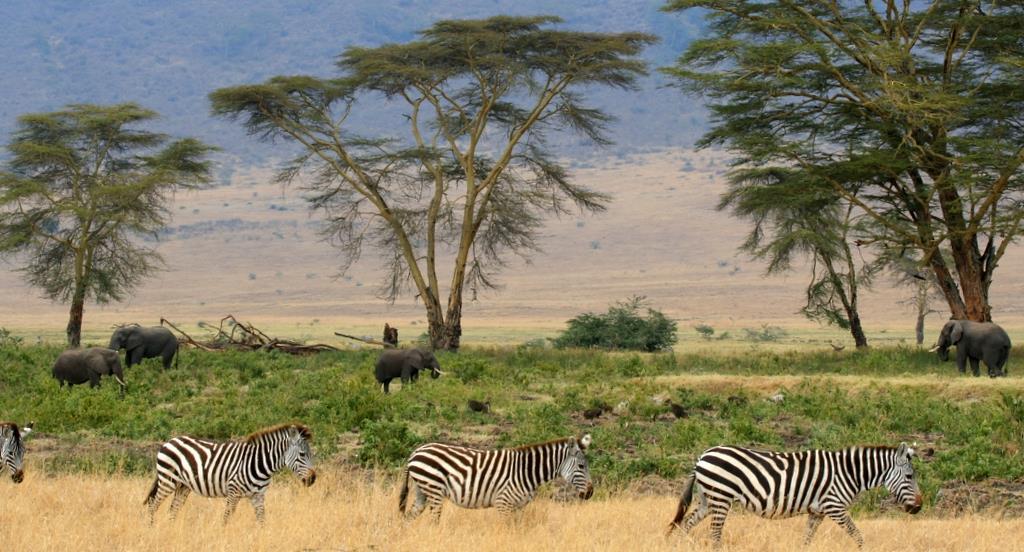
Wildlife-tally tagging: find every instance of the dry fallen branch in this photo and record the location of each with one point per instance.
(366, 340)
(245, 337)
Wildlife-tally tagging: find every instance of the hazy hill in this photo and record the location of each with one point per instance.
(169, 55)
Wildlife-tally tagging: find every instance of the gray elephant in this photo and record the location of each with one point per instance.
(975, 341)
(405, 364)
(76, 366)
(140, 343)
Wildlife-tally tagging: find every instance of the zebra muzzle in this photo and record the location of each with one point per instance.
(18, 476)
(916, 506)
(588, 492)
(310, 479)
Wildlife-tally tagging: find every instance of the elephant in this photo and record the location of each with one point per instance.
(140, 343)
(76, 366)
(975, 341)
(405, 364)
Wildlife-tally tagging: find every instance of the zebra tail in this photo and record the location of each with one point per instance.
(152, 491)
(684, 503)
(404, 494)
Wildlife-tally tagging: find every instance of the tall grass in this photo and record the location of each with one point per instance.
(348, 512)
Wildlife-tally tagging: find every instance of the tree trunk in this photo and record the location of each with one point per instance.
(857, 331)
(74, 329)
(919, 327)
(446, 335)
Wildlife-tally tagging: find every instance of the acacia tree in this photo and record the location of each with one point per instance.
(80, 185)
(473, 179)
(792, 218)
(913, 112)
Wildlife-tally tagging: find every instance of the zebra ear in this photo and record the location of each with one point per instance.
(905, 450)
(584, 441)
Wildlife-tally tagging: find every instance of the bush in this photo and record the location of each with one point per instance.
(386, 444)
(622, 327)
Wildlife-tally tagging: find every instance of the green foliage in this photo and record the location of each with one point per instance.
(622, 327)
(81, 185)
(704, 330)
(386, 443)
(7, 339)
(536, 395)
(766, 333)
(909, 119)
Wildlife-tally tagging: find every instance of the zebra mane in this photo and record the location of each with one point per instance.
(565, 440)
(303, 430)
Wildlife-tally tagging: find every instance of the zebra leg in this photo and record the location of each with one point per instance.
(232, 504)
(257, 504)
(842, 517)
(813, 521)
(163, 490)
(718, 512)
(180, 494)
(419, 504)
(697, 515)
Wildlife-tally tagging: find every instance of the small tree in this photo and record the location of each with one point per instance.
(474, 178)
(80, 184)
(794, 216)
(622, 327)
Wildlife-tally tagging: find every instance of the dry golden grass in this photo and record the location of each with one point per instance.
(344, 512)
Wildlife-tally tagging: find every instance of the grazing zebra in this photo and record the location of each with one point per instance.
(505, 478)
(777, 485)
(12, 449)
(235, 469)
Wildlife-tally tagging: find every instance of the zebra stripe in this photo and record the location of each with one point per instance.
(233, 469)
(505, 478)
(12, 449)
(777, 485)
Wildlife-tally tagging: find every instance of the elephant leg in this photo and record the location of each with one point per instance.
(974, 367)
(385, 386)
(136, 357)
(94, 380)
(961, 361)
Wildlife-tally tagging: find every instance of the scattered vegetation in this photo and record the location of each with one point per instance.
(535, 394)
(621, 328)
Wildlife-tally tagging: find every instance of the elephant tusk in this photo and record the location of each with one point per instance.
(933, 349)
(120, 381)
(440, 373)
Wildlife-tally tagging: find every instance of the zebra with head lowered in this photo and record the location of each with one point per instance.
(233, 469)
(506, 479)
(777, 485)
(12, 449)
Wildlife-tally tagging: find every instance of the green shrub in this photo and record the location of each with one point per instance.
(386, 443)
(622, 327)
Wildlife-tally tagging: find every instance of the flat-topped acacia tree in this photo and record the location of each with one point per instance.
(912, 112)
(472, 179)
(80, 186)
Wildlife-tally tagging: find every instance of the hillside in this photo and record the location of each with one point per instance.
(169, 55)
(252, 249)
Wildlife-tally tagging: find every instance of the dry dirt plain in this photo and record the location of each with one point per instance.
(251, 249)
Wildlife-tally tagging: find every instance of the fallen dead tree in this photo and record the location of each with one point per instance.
(242, 336)
(390, 337)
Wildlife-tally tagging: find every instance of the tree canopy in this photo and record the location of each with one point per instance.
(911, 112)
(81, 185)
(473, 179)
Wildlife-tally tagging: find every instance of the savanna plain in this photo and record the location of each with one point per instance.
(93, 453)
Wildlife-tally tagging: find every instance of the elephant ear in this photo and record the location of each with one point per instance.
(956, 333)
(134, 340)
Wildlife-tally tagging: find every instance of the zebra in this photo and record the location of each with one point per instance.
(12, 449)
(233, 469)
(776, 485)
(505, 478)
